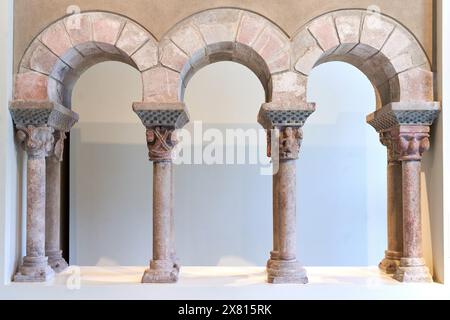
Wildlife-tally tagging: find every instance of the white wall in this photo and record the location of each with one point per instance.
(443, 230)
(223, 213)
(10, 159)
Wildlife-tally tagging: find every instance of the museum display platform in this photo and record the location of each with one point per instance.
(240, 283)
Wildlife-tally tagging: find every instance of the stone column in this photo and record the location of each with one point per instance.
(273, 142)
(53, 204)
(283, 266)
(37, 142)
(161, 120)
(173, 253)
(404, 128)
(163, 269)
(412, 142)
(284, 122)
(394, 251)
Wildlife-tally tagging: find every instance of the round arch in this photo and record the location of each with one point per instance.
(384, 50)
(223, 34)
(58, 56)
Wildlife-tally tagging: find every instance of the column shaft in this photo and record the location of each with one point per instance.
(395, 209)
(276, 218)
(412, 233)
(53, 194)
(287, 210)
(35, 207)
(162, 208)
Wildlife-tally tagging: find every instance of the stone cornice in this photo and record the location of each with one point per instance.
(404, 114)
(42, 113)
(172, 115)
(278, 115)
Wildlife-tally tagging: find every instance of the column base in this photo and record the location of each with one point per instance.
(34, 269)
(56, 261)
(281, 271)
(413, 270)
(391, 262)
(161, 271)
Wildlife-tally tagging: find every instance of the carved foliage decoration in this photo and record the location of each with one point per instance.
(413, 145)
(36, 141)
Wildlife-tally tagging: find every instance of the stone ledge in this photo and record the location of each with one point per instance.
(154, 114)
(282, 115)
(404, 113)
(40, 113)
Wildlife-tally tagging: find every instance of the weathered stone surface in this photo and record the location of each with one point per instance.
(306, 52)
(218, 25)
(161, 85)
(289, 88)
(413, 85)
(30, 85)
(56, 38)
(376, 30)
(348, 27)
(146, 57)
(37, 143)
(270, 43)
(132, 38)
(324, 31)
(171, 56)
(250, 28)
(188, 38)
(411, 142)
(43, 60)
(106, 27)
(79, 28)
(394, 250)
(53, 205)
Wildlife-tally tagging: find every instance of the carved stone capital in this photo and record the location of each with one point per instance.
(57, 150)
(387, 140)
(36, 141)
(160, 143)
(290, 142)
(411, 142)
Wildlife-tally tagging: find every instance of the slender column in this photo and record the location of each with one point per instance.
(394, 251)
(173, 254)
(276, 218)
(160, 141)
(284, 268)
(272, 142)
(53, 205)
(412, 142)
(37, 142)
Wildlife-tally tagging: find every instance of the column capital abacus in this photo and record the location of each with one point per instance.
(285, 122)
(161, 120)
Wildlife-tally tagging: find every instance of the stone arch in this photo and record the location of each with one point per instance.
(383, 49)
(222, 34)
(64, 50)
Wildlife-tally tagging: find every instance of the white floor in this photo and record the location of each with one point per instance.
(222, 283)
